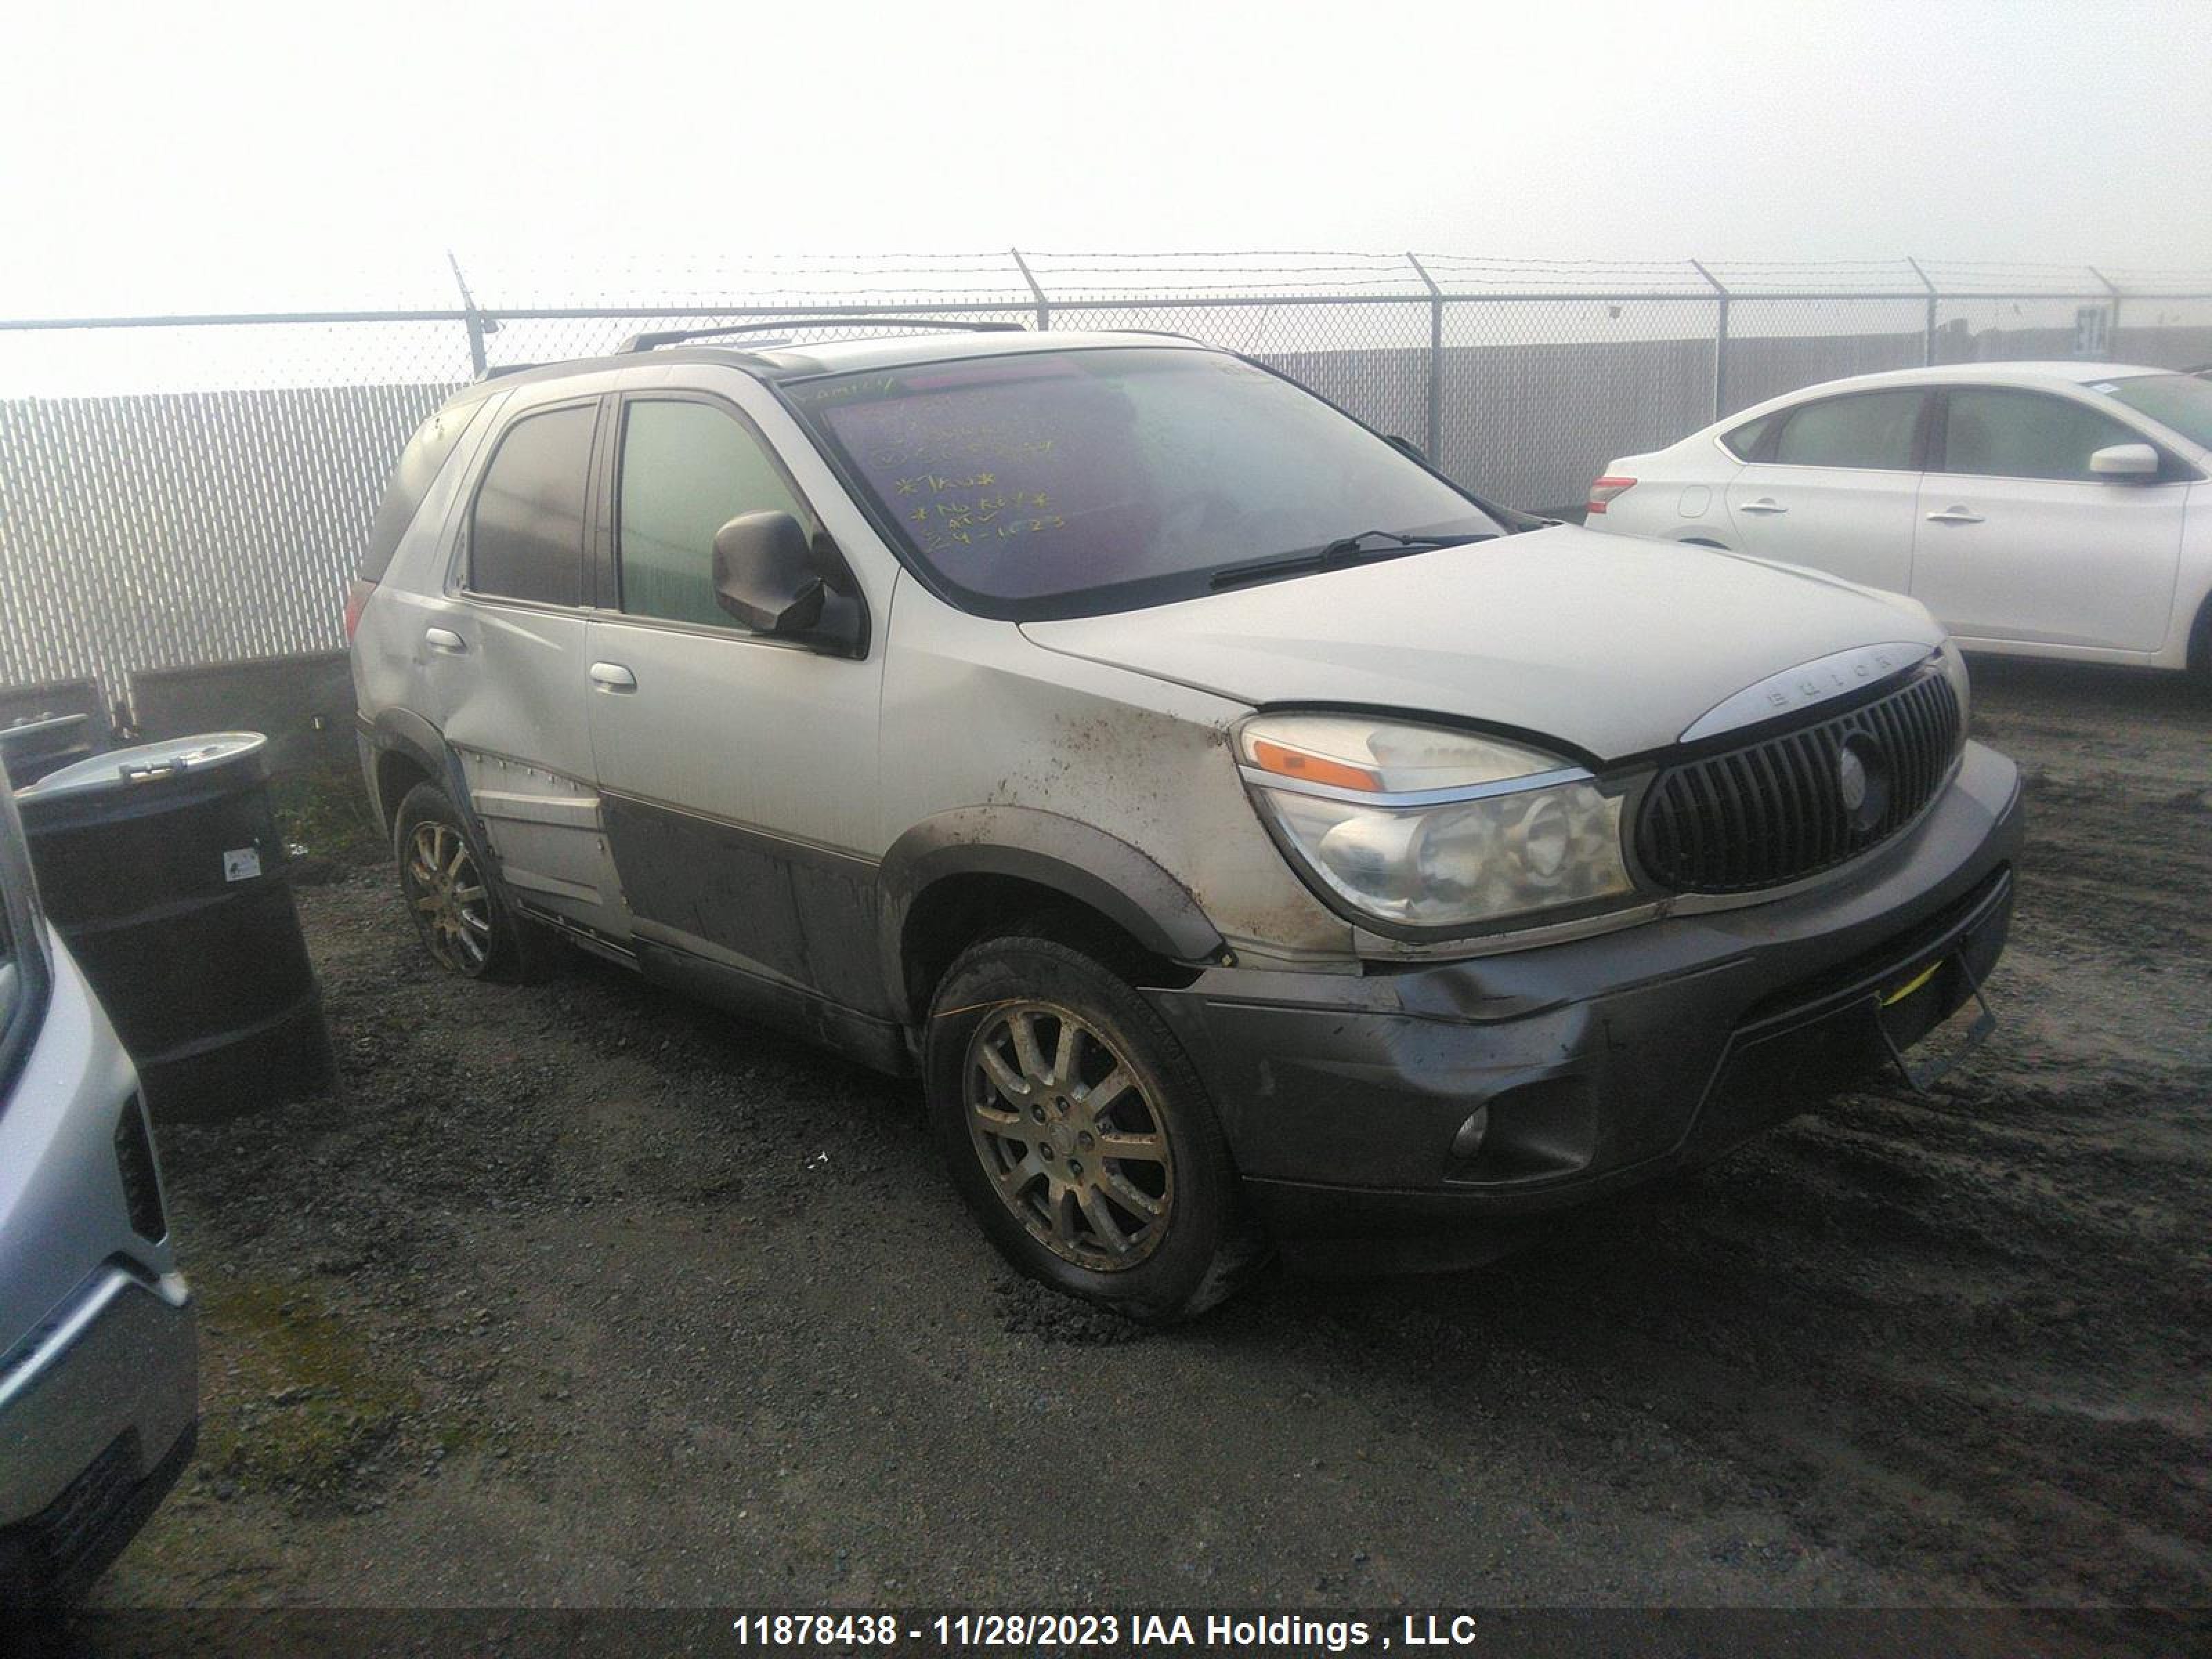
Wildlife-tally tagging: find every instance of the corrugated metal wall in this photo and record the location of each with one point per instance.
(160, 532)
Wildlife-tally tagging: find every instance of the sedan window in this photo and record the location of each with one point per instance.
(2024, 435)
(2183, 402)
(1743, 441)
(1871, 429)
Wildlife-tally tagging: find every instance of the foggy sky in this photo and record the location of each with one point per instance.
(213, 157)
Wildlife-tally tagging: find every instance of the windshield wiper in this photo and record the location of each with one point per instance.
(1346, 549)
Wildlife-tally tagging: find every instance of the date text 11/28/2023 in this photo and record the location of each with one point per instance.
(1050, 1632)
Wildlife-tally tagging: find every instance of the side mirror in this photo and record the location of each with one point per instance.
(764, 573)
(1407, 447)
(2124, 461)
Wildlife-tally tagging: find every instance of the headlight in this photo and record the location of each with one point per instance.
(1954, 670)
(1427, 827)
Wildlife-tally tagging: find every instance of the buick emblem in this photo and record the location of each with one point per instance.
(1852, 778)
(1862, 781)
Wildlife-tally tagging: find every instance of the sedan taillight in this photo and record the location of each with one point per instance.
(1606, 489)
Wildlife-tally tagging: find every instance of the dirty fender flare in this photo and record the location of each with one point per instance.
(400, 731)
(1070, 857)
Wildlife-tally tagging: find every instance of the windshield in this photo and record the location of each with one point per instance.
(2180, 401)
(1070, 483)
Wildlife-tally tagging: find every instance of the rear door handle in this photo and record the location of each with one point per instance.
(613, 676)
(1764, 504)
(444, 639)
(1955, 515)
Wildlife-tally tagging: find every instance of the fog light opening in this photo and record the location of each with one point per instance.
(1469, 1142)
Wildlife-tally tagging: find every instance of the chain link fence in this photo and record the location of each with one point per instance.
(183, 491)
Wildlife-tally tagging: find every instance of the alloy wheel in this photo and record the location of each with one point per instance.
(1072, 1142)
(450, 897)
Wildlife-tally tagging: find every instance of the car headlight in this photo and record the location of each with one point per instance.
(1954, 670)
(1422, 827)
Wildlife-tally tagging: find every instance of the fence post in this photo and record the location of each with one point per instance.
(1720, 343)
(1928, 349)
(471, 317)
(1044, 306)
(1436, 437)
(2112, 322)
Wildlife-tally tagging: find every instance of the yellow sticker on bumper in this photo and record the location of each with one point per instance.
(1900, 995)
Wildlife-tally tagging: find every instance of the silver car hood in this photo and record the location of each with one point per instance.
(1612, 644)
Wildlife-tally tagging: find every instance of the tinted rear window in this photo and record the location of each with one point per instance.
(426, 454)
(1871, 429)
(1743, 441)
(526, 537)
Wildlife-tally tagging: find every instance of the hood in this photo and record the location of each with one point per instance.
(1611, 644)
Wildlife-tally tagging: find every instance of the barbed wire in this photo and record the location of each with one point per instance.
(1024, 279)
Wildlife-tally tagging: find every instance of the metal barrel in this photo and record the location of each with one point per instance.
(161, 867)
(31, 749)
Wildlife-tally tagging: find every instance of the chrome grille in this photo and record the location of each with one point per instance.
(1774, 810)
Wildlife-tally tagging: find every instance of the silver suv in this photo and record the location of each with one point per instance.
(1248, 834)
(98, 1351)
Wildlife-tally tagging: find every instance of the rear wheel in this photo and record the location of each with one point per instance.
(1078, 1132)
(459, 908)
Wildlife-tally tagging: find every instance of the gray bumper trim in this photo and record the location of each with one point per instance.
(122, 1353)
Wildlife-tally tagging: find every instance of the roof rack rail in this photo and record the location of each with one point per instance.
(812, 319)
(493, 371)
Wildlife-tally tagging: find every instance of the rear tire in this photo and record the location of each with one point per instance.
(1078, 1132)
(460, 909)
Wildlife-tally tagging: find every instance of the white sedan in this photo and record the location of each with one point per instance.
(2048, 509)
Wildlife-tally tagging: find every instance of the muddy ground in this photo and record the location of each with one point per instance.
(584, 1295)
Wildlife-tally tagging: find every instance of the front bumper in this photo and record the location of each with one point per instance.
(97, 1415)
(1599, 1063)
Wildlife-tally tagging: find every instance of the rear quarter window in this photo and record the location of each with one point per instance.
(419, 464)
(1743, 441)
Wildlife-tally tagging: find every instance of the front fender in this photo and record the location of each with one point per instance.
(1086, 864)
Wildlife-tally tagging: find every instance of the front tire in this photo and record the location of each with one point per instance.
(459, 907)
(1077, 1130)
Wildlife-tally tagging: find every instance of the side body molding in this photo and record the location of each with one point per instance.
(1086, 864)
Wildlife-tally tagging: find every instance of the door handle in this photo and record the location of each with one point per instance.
(1955, 515)
(1764, 504)
(444, 639)
(613, 676)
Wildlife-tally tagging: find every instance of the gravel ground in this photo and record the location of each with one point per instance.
(582, 1295)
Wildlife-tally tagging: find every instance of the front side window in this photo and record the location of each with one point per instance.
(686, 469)
(526, 531)
(2024, 434)
(2182, 402)
(1869, 429)
(1074, 483)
